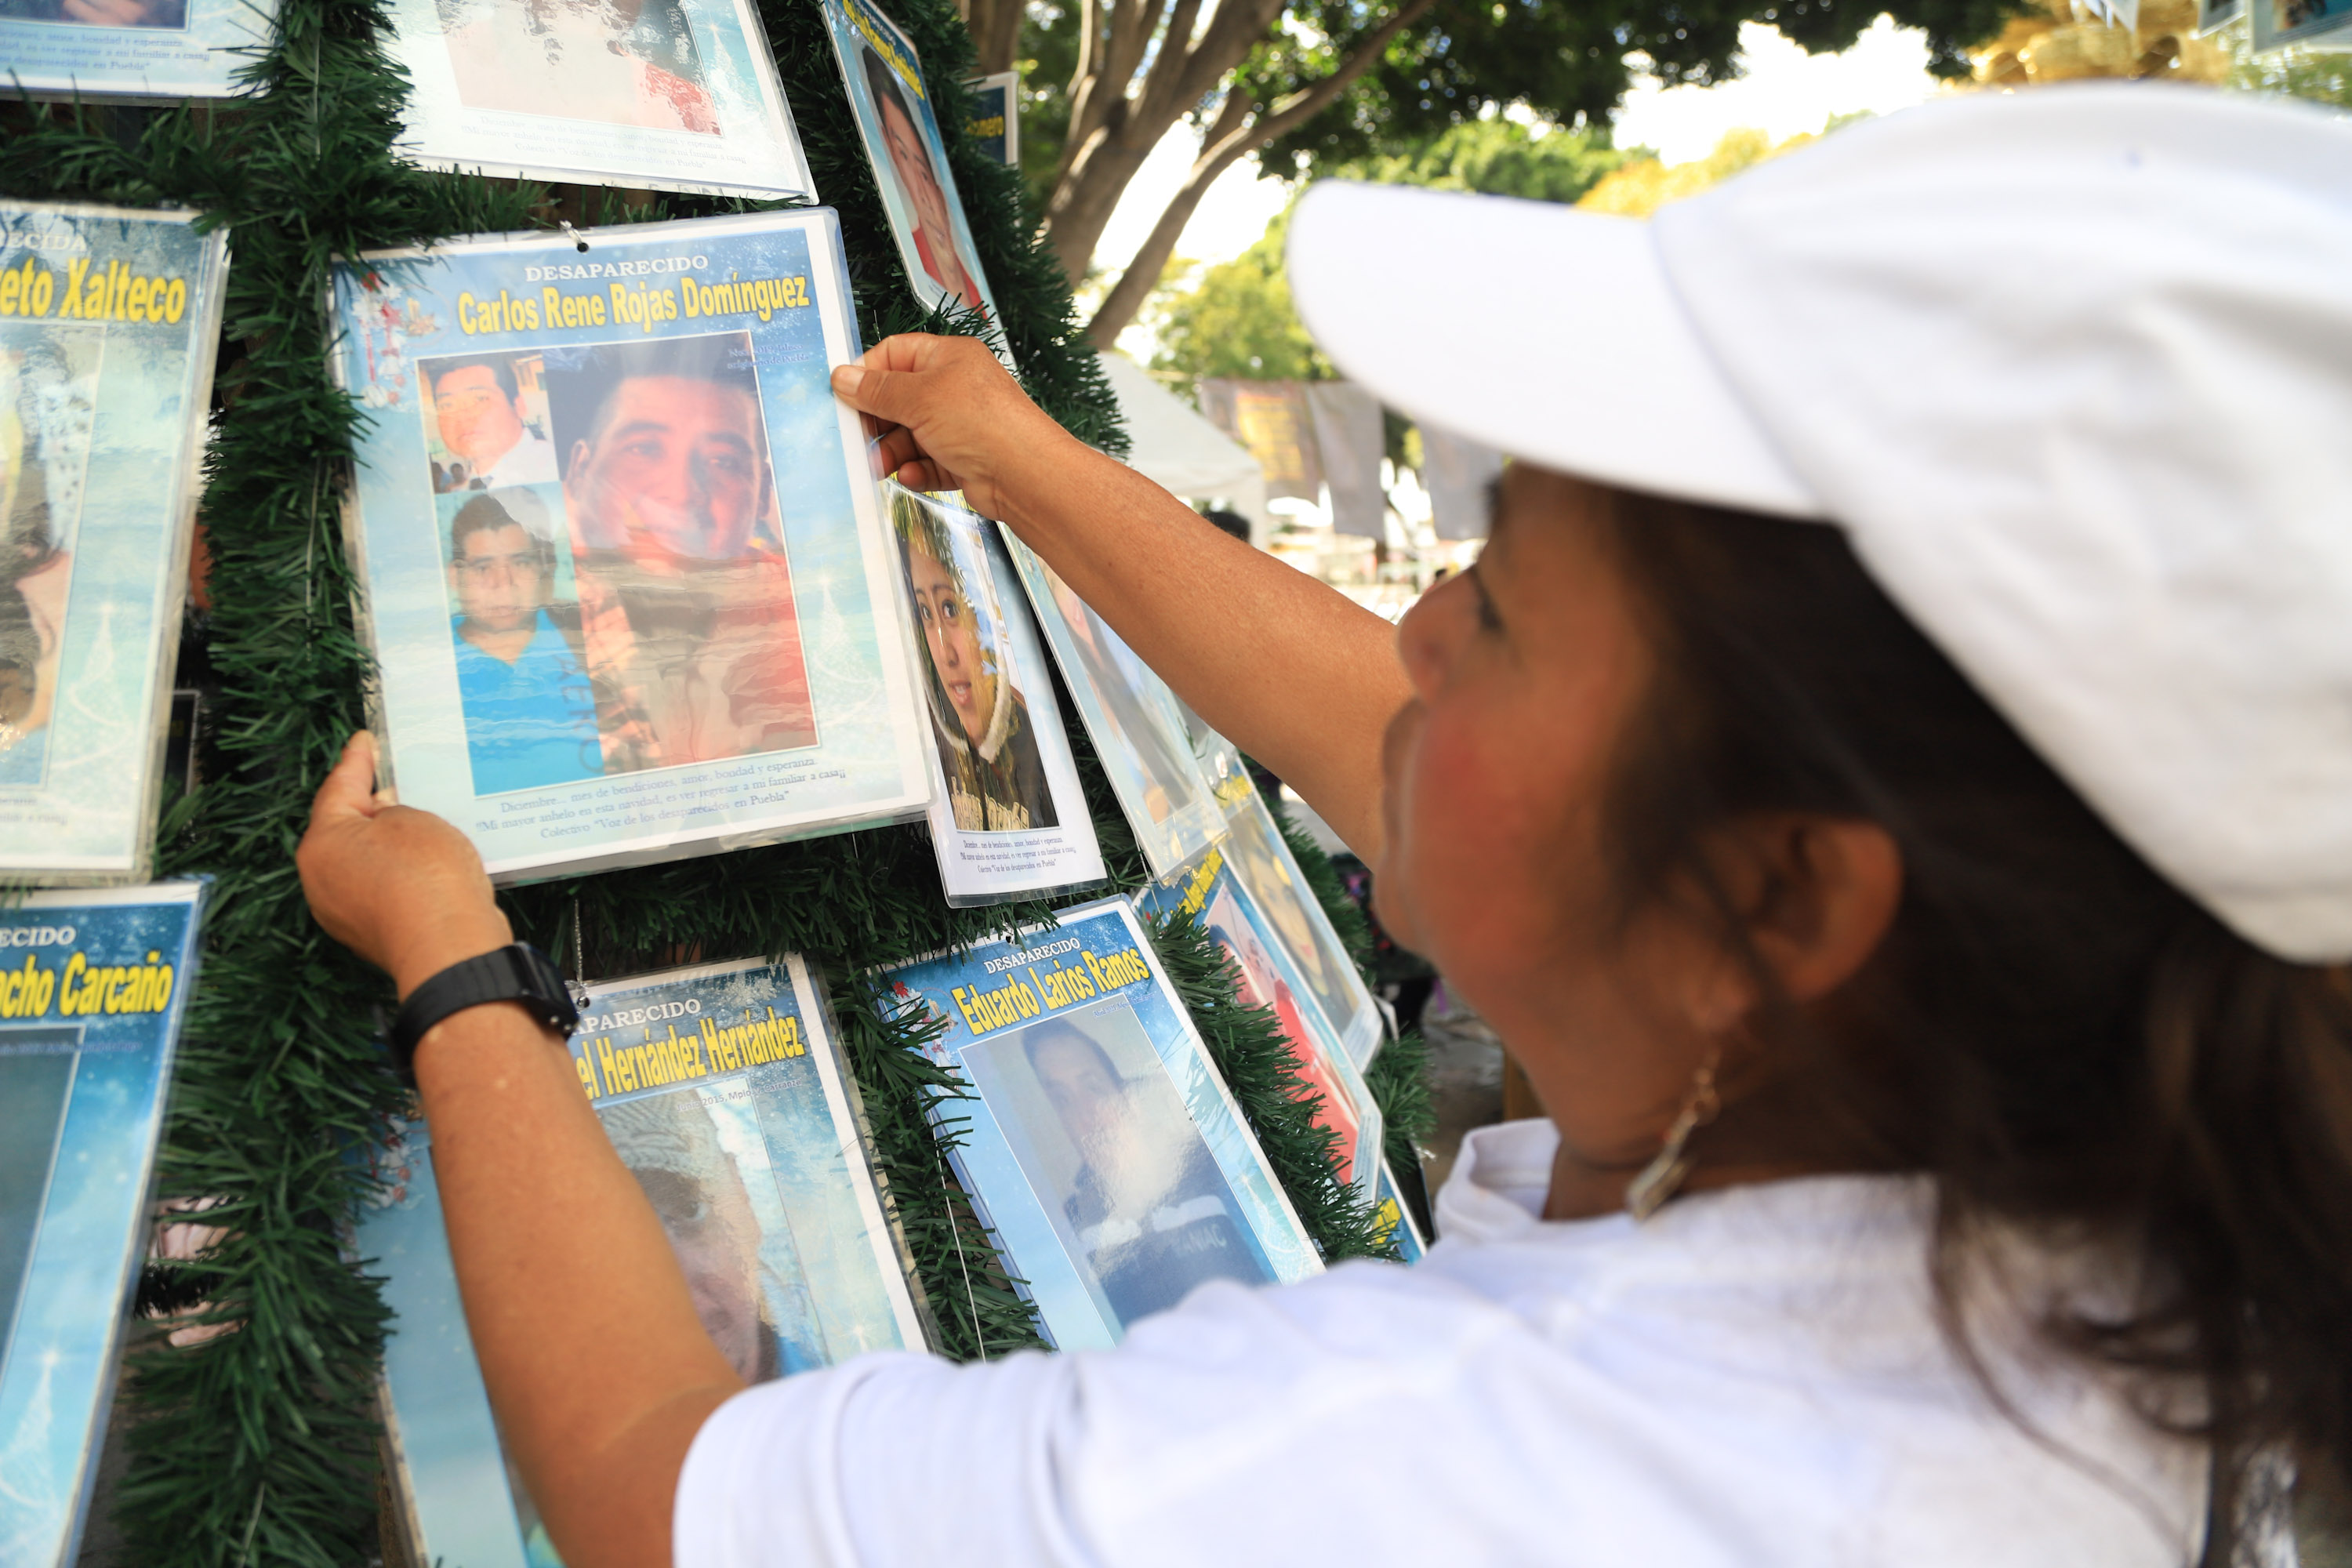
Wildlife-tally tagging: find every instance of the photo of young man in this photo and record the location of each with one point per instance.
(475, 408)
(896, 142)
(621, 62)
(1151, 1211)
(1260, 985)
(530, 720)
(980, 727)
(691, 638)
(761, 1322)
(36, 563)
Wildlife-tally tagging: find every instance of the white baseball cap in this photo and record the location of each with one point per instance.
(2073, 369)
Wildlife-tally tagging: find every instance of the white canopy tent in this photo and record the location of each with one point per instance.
(1182, 453)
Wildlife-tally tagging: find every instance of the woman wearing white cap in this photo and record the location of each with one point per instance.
(1927, 933)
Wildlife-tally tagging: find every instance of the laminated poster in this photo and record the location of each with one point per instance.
(623, 566)
(995, 120)
(2313, 24)
(722, 1090)
(1395, 1219)
(1008, 819)
(1255, 847)
(1100, 1144)
(108, 321)
(675, 95)
(1137, 725)
(895, 118)
(93, 986)
(1265, 977)
(156, 51)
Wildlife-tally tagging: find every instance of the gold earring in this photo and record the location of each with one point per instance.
(1664, 1176)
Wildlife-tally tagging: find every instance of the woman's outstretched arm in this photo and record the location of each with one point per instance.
(1291, 671)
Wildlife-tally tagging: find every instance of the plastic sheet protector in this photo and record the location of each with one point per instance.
(623, 567)
(1267, 976)
(677, 95)
(93, 988)
(1101, 1146)
(1254, 846)
(1008, 816)
(152, 51)
(723, 1093)
(1137, 725)
(108, 323)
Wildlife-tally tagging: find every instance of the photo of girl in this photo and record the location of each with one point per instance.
(986, 741)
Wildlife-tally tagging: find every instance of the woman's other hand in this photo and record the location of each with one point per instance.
(400, 887)
(953, 419)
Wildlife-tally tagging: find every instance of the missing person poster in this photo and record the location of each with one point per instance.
(625, 573)
(895, 118)
(721, 1092)
(155, 51)
(1101, 1147)
(1394, 1220)
(1008, 819)
(1265, 977)
(995, 120)
(676, 95)
(2313, 24)
(1135, 722)
(108, 321)
(93, 988)
(1260, 856)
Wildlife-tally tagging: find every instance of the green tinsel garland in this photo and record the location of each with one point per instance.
(261, 1445)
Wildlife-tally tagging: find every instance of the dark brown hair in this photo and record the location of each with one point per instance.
(2062, 1039)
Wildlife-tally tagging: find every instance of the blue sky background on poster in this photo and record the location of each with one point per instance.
(77, 792)
(786, 1120)
(1105, 930)
(56, 1368)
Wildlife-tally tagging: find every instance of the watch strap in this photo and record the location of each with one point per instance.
(516, 972)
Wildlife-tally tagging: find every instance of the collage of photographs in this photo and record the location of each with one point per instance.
(633, 594)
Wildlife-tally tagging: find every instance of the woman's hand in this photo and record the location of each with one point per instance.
(953, 419)
(399, 886)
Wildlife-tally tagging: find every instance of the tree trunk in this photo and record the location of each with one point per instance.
(1237, 130)
(995, 26)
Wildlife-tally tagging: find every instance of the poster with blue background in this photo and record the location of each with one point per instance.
(93, 988)
(155, 51)
(720, 1090)
(1099, 1142)
(623, 568)
(108, 323)
(1266, 975)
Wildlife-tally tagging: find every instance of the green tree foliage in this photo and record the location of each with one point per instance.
(1235, 319)
(1500, 158)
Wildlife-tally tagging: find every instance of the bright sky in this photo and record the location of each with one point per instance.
(1784, 91)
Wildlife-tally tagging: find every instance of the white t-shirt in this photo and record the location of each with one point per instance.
(1753, 1377)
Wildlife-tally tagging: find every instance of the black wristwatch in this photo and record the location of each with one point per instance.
(516, 972)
